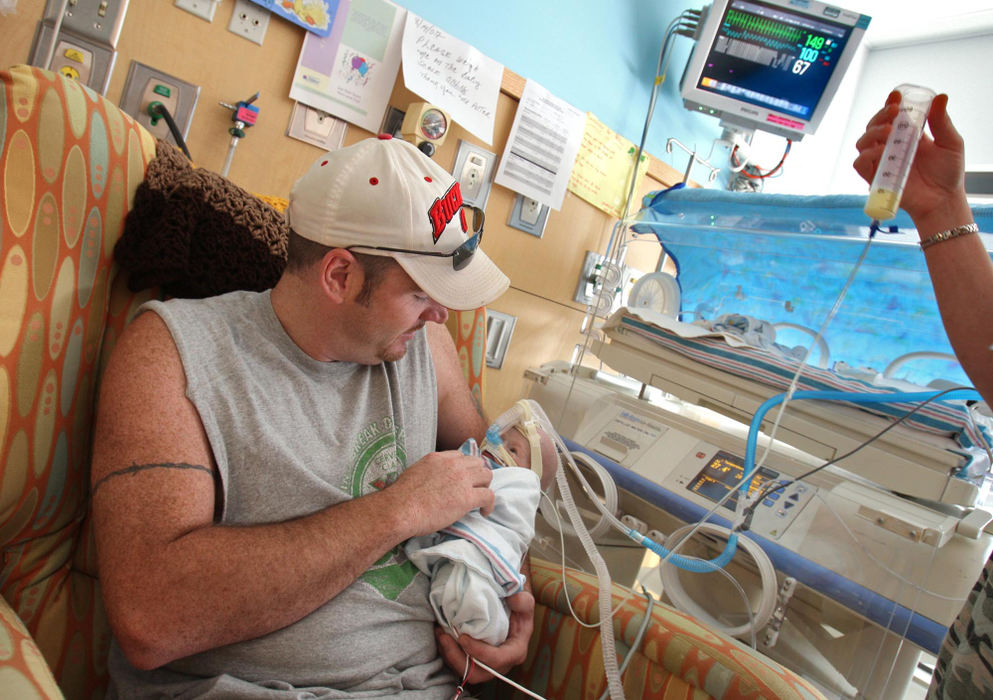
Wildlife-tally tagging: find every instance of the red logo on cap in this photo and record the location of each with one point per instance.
(444, 209)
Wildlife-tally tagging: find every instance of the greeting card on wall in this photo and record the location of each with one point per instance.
(453, 75)
(312, 15)
(350, 73)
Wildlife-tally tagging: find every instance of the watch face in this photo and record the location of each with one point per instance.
(433, 124)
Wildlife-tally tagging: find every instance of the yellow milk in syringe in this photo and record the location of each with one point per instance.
(898, 155)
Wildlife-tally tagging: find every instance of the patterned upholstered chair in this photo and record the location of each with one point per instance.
(70, 163)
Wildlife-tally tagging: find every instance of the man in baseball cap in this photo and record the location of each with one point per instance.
(261, 457)
(384, 197)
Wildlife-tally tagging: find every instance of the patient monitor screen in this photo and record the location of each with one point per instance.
(723, 473)
(773, 56)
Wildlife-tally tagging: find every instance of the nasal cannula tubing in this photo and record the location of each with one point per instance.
(898, 155)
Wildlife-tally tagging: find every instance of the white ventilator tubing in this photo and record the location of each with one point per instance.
(670, 560)
(609, 489)
(767, 572)
(530, 418)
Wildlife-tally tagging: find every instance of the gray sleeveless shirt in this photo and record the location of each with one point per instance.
(290, 436)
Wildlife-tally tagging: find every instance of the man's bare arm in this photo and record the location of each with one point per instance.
(176, 583)
(458, 415)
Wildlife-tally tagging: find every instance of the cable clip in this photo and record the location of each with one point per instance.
(469, 665)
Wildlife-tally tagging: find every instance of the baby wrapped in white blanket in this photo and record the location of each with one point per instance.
(475, 562)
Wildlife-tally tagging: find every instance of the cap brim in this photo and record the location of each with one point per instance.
(477, 284)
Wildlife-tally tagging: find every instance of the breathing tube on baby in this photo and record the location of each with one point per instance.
(528, 420)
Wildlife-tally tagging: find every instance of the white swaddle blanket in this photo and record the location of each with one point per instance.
(475, 562)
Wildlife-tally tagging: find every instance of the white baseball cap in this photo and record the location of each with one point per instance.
(382, 196)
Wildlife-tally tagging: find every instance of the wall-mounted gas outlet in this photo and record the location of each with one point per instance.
(474, 168)
(316, 127)
(528, 215)
(100, 21)
(145, 85)
(249, 20)
(204, 9)
(74, 57)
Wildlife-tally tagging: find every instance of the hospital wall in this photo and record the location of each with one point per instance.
(598, 56)
(544, 271)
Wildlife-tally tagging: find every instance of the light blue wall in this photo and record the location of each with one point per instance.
(597, 55)
(601, 56)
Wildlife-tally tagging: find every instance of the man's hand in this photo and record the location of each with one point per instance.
(936, 177)
(441, 487)
(500, 658)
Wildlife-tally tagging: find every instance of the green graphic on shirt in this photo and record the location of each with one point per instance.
(379, 458)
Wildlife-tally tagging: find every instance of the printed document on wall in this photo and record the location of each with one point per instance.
(542, 146)
(350, 73)
(453, 75)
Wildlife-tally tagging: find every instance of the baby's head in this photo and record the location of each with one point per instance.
(519, 448)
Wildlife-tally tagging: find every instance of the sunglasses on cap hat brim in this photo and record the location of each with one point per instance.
(460, 256)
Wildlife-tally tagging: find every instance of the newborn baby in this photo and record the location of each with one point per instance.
(475, 562)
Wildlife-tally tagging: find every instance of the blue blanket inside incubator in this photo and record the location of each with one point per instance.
(785, 259)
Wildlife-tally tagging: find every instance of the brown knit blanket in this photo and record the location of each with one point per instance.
(195, 234)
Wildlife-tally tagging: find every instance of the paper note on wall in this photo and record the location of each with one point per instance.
(451, 74)
(350, 73)
(542, 146)
(603, 169)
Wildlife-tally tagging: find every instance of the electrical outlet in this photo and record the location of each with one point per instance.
(99, 21)
(249, 20)
(204, 9)
(145, 85)
(528, 215)
(474, 167)
(530, 210)
(316, 127)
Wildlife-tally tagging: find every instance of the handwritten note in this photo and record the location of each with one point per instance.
(452, 75)
(604, 166)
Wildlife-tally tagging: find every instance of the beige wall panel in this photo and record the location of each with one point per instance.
(544, 271)
(17, 30)
(544, 331)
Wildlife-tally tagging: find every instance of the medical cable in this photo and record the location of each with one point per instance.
(685, 24)
(650, 605)
(611, 670)
(817, 339)
(50, 53)
(906, 626)
(565, 588)
(925, 398)
(609, 494)
(507, 680)
(690, 564)
(767, 573)
(760, 175)
(790, 391)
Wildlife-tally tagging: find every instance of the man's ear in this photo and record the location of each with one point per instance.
(341, 274)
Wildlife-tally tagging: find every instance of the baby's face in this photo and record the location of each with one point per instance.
(520, 449)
